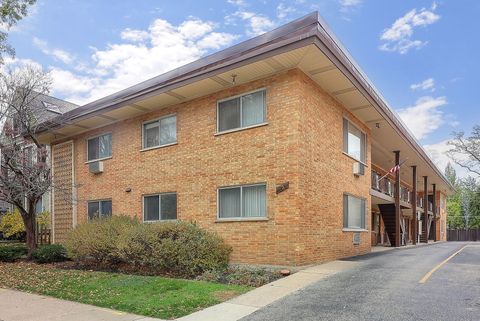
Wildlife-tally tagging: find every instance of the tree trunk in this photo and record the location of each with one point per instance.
(29, 219)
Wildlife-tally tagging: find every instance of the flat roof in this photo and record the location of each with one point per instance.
(310, 29)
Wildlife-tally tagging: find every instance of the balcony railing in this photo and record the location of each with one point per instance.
(420, 202)
(387, 187)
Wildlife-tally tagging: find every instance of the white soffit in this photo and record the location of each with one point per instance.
(351, 99)
(158, 101)
(200, 88)
(125, 112)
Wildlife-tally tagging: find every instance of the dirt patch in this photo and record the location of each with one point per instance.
(225, 295)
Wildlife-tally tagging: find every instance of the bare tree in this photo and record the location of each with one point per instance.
(25, 175)
(466, 150)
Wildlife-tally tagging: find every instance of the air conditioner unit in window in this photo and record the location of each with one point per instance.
(96, 167)
(358, 169)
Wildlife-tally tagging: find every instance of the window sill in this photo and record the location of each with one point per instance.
(159, 221)
(355, 159)
(240, 129)
(157, 147)
(98, 160)
(358, 230)
(243, 219)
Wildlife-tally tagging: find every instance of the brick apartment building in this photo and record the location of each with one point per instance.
(277, 144)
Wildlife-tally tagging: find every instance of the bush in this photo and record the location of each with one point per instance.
(248, 276)
(97, 240)
(11, 253)
(43, 219)
(50, 253)
(174, 248)
(11, 224)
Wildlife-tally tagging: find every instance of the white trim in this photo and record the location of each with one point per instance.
(245, 219)
(240, 129)
(159, 207)
(157, 147)
(241, 218)
(96, 136)
(264, 89)
(143, 148)
(349, 229)
(98, 160)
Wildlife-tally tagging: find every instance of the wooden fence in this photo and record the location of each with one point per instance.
(43, 234)
(463, 235)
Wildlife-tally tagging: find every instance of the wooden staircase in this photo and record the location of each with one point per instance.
(423, 237)
(388, 215)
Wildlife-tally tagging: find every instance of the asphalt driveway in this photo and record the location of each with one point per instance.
(386, 286)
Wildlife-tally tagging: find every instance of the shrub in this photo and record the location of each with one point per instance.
(11, 224)
(239, 275)
(43, 219)
(11, 253)
(50, 253)
(97, 240)
(176, 248)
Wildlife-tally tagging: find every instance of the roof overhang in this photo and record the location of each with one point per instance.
(306, 44)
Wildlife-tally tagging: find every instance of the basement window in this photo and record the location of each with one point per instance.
(354, 209)
(241, 111)
(99, 209)
(354, 141)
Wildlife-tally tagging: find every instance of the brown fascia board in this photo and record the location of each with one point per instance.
(310, 29)
(288, 37)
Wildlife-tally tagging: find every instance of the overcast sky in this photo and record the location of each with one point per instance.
(421, 55)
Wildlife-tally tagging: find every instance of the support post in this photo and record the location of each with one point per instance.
(414, 205)
(397, 201)
(425, 209)
(434, 211)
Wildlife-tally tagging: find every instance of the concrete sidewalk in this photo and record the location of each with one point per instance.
(20, 306)
(250, 302)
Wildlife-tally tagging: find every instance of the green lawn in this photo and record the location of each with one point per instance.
(145, 295)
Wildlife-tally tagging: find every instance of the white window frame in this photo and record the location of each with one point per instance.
(264, 122)
(159, 207)
(143, 148)
(350, 123)
(99, 206)
(242, 218)
(345, 217)
(102, 158)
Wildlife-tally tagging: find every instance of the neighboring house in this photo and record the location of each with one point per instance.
(45, 108)
(275, 144)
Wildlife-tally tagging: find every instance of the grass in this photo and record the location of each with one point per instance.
(144, 295)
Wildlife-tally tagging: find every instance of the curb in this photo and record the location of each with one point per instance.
(252, 301)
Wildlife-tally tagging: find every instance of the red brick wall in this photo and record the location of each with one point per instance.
(301, 144)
